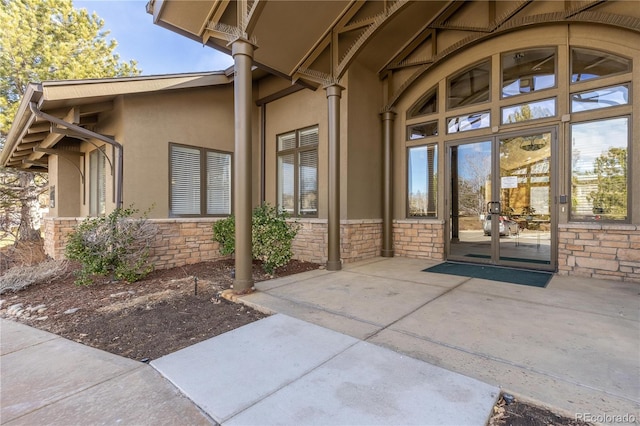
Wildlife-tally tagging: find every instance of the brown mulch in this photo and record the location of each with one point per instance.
(519, 413)
(167, 311)
(170, 310)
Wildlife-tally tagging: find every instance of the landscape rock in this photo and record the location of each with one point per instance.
(71, 311)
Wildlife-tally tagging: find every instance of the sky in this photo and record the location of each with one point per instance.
(157, 50)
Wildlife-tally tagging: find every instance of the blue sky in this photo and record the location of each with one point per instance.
(157, 50)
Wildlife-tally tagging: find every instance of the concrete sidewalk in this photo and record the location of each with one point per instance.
(48, 380)
(573, 346)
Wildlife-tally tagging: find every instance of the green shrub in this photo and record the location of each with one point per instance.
(116, 244)
(271, 237)
(224, 232)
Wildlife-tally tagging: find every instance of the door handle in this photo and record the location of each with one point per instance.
(493, 207)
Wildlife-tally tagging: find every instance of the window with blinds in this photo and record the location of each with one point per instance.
(200, 181)
(97, 182)
(297, 186)
(218, 183)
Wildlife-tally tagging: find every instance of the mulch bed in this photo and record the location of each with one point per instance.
(167, 311)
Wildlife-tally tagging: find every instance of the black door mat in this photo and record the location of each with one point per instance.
(493, 273)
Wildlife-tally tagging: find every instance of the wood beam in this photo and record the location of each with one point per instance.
(582, 8)
(27, 146)
(39, 128)
(32, 138)
(39, 163)
(60, 152)
(95, 108)
(254, 15)
(215, 13)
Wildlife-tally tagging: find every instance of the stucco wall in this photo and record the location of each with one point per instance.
(198, 117)
(364, 161)
(66, 180)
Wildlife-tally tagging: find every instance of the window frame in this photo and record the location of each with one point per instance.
(100, 207)
(432, 92)
(534, 92)
(435, 147)
(599, 78)
(296, 151)
(409, 127)
(203, 180)
(627, 85)
(449, 78)
(583, 219)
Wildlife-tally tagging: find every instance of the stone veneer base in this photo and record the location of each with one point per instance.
(605, 251)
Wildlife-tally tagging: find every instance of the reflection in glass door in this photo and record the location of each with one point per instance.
(470, 171)
(501, 201)
(525, 199)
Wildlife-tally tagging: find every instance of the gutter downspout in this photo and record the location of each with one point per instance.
(90, 134)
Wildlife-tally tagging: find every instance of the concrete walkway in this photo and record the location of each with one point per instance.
(48, 380)
(573, 346)
(380, 342)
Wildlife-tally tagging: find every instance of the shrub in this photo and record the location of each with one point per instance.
(20, 277)
(116, 244)
(224, 232)
(271, 237)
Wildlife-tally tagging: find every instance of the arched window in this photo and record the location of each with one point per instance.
(427, 104)
(526, 71)
(470, 86)
(587, 64)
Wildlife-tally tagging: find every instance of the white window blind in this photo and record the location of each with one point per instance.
(287, 141)
(286, 182)
(185, 180)
(218, 183)
(97, 183)
(309, 137)
(308, 183)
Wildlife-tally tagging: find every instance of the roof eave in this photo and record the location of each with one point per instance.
(22, 121)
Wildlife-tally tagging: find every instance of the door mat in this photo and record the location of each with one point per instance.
(493, 273)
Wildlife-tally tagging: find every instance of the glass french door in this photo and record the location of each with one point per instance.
(500, 200)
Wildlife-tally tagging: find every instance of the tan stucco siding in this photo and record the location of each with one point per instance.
(364, 155)
(199, 117)
(66, 181)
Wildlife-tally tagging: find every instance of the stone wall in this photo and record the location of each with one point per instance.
(419, 238)
(607, 251)
(360, 239)
(56, 234)
(179, 241)
(186, 241)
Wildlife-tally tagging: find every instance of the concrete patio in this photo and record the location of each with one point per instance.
(573, 346)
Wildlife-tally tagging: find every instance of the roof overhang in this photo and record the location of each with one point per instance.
(79, 102)
(315, 41)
